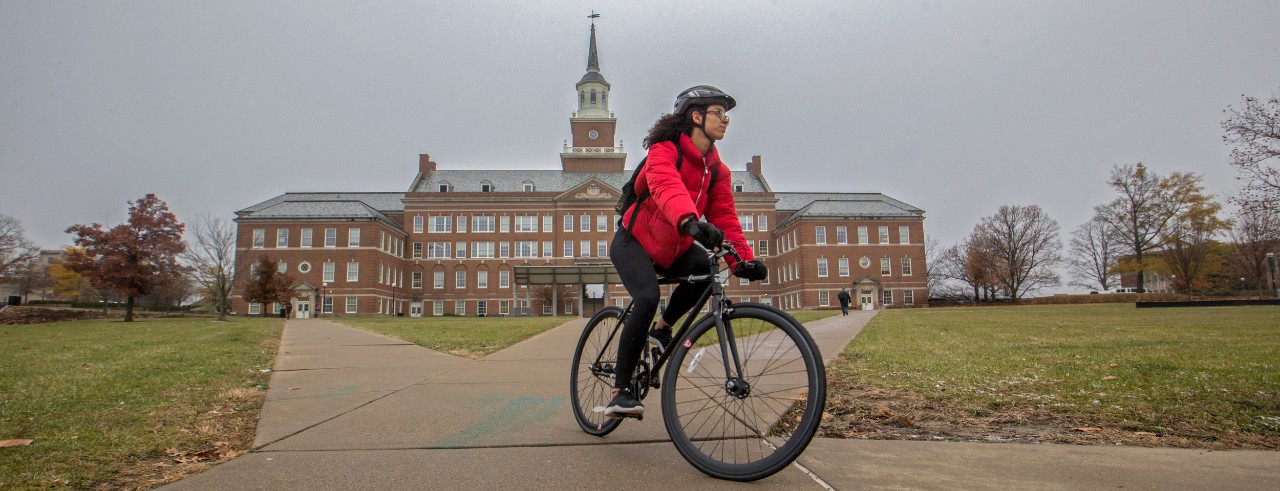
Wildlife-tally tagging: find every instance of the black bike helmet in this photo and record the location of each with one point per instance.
(704, 95)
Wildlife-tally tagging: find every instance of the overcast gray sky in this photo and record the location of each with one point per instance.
(956, 107)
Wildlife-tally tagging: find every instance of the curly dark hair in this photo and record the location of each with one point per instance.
(671, 126)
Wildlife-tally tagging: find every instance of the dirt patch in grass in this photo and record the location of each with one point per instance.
(230, 426)
(861, 411)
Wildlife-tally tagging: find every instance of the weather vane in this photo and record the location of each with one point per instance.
(593, 16)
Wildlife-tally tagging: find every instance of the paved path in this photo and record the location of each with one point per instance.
(348, 409)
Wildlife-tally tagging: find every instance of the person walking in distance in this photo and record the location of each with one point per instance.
(681, 180)
(843, 296)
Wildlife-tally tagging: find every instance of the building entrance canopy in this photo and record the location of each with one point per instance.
(566, 275)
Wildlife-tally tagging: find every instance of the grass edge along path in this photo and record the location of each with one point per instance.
(110, 404)
(1189, 377)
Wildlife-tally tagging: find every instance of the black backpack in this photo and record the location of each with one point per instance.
(629, 196)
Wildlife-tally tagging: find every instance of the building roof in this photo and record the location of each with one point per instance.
(556, 181)
(328, 206)
(806, 205)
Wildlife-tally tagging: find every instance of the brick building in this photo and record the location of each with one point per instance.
(451, 243)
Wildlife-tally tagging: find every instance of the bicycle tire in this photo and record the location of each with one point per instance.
(590, 389)
(753, 436)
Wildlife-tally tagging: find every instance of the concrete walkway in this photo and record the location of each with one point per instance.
(348, 409)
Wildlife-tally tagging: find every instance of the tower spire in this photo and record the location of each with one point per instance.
(593, 62)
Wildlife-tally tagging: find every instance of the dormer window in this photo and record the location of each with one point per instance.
(486, 187)
(528, 186)
(737, 186)
(445, 187)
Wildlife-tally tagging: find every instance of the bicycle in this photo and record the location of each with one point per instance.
(741, 412)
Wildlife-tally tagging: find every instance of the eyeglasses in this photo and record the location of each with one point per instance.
(719, 114)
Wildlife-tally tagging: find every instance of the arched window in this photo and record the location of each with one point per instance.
(593, 97)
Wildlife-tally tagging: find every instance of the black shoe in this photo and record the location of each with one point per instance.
(624, 405)
(659, 339)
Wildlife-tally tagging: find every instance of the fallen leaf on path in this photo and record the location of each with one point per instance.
(294, 388)
(1087, 429)
(16, 442)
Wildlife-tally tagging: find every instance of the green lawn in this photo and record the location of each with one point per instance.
(101, 397)
(1201, 374)
(471, 337)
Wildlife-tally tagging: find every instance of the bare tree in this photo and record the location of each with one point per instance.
(212, 260)
(1141, 212)
(968, 263)
(1024, 246)
(1255, 235)
(934, 269)
(1254, 130)
(16, 251)
(1094, 251)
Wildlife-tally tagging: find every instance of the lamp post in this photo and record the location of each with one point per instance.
(1173, 283)
(323, 286)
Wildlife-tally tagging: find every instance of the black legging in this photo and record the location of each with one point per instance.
(639, 276)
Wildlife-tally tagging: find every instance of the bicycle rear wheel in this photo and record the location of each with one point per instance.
(591, 381)
(759, 425)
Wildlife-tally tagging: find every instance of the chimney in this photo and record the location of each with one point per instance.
(754, 166)
(425, 165)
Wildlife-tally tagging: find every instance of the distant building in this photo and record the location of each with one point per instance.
(37, 285)
(449, 245)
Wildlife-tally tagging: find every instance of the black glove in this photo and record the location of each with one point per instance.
(705, 233)
(752, 270)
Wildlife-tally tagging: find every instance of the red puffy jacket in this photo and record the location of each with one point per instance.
(675, 194)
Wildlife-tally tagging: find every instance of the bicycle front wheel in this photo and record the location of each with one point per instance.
(749, 428)
(591, 379)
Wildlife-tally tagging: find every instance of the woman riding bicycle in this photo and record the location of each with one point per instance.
(660, 230)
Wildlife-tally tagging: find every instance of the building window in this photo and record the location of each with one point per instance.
(504, 249)
(762, 248)
(906, 266)
(747, 222)
(462, 223)
(486, 187)
(904, 235)
(585, 223)
(842, 235)
(568, 223)
(602, 248)
(482, 279)
(822, 267)
(282, 237)
(483, 250)
(762, 223)
(304, 267)
(528, 186)
(602, 223)
(353, 271)
(282, 267)
(824, 299)
(886, 296)
(504, 307)
(417, 224)
(437, 280)
(546, 223)
(351, 305)
(884, 235)
(526, 249)
(908, 297)
(460, 249)
(304, 238)
(844, 266)
(820, 234)
(737, 187)
(885, 268)
(504, 224)
(259, 237)
(439, 224)
(353, 237)
(328, 272)
(482, 308)
(546, 309)
(547, 248)
(438, 250)
(481, 224)
(568, 248)
(460, 279)
(417, 250)
(416, 277)
(460, 307)
(255, 308)
(504, 279)
(326, 305)
(585, 248)
(526, 223)
(437, 308)
(862, 235)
